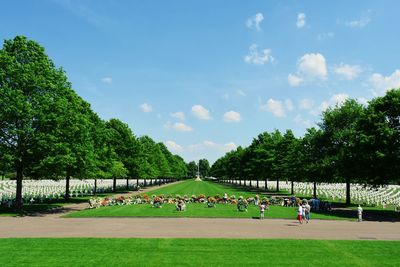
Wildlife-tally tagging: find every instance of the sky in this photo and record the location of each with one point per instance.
(205, 77)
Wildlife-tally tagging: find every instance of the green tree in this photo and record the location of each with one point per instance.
(379, 142)
(192, 169)
(340, 127)
(204, 167)
(29, 80)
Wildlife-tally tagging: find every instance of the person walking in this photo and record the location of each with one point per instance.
(307, 211)
(300, 213)
(359, 212)
(262, 211)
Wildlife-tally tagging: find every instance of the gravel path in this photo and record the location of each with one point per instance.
(195, 228)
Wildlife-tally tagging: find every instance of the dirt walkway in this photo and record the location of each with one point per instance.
(195, 228)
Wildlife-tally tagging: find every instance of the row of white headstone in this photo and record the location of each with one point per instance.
(380, 196)
(34, 191)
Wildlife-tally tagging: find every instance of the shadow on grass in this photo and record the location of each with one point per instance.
(369, 214)
(56, 206)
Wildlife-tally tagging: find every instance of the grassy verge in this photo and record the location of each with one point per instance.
(196, 252)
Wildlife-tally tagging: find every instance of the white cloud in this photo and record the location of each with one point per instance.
(107, 80)
(276, 107)
(362, 100)
(241, 92)
(358, 23)
(146, 108)
(258, 58)
(324, 106)
(294, 80)
(337, 99)
(302, 121)
(254, 21)
(313, 65)
(301, 20)
(289, 104)
(309, 67)
(348, 72)
(210, 145)
(306, 104)
(325, 36)
(201, 113)
(383, 83)
(178, 115)
(173, 147)
(181, 127)
(232, 116)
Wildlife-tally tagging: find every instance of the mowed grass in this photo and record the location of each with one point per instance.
(191, 187)
(196, 252)
(195, 210)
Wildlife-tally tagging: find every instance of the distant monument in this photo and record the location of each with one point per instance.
(198, 179)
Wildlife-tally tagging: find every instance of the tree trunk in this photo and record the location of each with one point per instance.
(114, 184)
(257, 184)
(95, 187)
(315, 190)
(240, 182)
(144, 182)
(348, 200)
(137, 182)
(18, 200)
(67, 196)
(266, 184)
(127, 184)
(277, 185)
(292, 189)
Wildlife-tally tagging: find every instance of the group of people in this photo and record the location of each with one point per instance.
(303, 212)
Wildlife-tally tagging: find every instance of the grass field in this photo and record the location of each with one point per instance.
(196, 252)
(189, 188)
(194, 210)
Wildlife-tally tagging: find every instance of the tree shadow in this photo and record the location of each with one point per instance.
(368, 214)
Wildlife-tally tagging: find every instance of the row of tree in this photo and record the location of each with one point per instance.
(203, 167)
(48, 131)
(353, 143)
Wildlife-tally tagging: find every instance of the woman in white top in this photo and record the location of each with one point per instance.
(300, 213)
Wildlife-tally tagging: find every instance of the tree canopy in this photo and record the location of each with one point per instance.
(48, 131)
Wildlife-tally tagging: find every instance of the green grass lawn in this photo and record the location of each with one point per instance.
(196, 252)
(194, 210)
(189, 188)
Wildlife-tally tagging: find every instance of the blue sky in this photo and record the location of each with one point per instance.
(206, 76)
